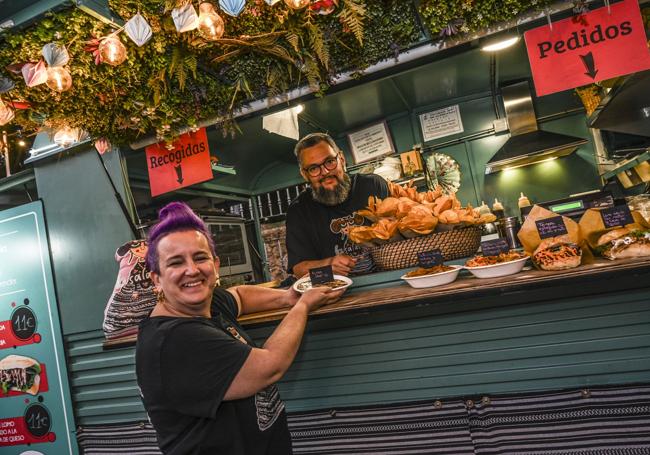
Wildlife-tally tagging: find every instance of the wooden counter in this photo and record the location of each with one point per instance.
(468, 286)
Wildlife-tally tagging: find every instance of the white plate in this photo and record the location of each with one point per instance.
(308, 279)
(436, 279)
(495, 270)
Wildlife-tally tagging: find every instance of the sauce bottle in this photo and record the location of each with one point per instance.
(497, 209)
(524, 206)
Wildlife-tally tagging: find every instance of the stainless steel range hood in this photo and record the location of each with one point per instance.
(527, 143)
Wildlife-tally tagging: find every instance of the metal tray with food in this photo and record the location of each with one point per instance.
(339, 282)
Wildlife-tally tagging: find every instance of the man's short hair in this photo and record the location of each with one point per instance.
(312, 139)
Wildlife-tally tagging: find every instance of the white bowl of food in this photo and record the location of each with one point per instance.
(496, 266)
(340, 282)
(434, 276)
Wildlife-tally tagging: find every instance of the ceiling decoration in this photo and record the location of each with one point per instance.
(172, 76)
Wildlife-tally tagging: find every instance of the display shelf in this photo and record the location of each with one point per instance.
(627, 164)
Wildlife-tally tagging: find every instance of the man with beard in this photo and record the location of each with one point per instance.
(319, 219)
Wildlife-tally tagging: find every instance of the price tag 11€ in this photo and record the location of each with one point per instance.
(431, 258)
(616, 216)
(321, 275)
(551, 227)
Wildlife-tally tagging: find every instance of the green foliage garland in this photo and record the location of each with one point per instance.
(176, 80)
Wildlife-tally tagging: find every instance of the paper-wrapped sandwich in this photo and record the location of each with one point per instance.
(557, 253)
(560, 252)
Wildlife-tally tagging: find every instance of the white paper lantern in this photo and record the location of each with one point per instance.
(185, 18)
(138, 29)
(55, 54)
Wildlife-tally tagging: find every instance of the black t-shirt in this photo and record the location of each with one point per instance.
(317, 231)
(184, 367)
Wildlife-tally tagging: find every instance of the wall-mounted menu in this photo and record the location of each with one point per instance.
(35, 404)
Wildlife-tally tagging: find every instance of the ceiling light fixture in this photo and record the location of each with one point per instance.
(499, 42)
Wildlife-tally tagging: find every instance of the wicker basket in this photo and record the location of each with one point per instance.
(455, 244)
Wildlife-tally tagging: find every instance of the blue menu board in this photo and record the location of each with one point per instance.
(35, 405)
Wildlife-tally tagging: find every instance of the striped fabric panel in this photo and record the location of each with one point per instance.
(598, 421)
(591, 421)
(133, 439)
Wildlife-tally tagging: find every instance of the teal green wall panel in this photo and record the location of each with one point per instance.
(468, 348)
(85, 226)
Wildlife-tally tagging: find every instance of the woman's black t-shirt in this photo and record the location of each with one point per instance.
(184, 367)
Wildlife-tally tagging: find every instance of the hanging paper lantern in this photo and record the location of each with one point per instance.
(271, 2)
(185, 18)
(6, 114)
(112, 51)
(210, 23)
(232, 7)
(297, 4)
(55, 55)
(138, 29)
(34, 73)
(67, 136)
(6, 84)
(59, 78)
(324, 7)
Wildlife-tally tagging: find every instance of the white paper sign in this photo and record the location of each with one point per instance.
(370, 143)
(440, 123)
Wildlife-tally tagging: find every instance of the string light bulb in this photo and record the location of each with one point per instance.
(112, 51)
(58, 78)
(211, 25)
(297, 4)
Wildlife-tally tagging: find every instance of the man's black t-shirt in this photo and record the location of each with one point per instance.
(184, 367)
(317, 231)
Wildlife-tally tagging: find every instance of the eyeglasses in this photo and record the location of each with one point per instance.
(316, 169)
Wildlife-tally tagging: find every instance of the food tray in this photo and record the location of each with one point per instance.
(454, 244)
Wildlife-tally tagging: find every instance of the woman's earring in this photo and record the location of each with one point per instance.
(160, 296)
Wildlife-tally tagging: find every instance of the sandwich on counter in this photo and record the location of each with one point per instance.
(623, 243)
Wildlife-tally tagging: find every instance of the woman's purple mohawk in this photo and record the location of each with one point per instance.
(174, 217)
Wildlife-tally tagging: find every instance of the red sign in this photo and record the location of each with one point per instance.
(32, 428)
(592, 47)
(187, 163)
(12, 334)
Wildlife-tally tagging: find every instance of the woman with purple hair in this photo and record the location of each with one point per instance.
(208, 389)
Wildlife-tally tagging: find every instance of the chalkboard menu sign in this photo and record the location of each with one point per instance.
(35, 412)
(321, 275)
(494, 247)
(551, 227)
(616, 216)
(428, 259)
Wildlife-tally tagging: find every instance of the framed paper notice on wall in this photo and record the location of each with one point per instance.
(371, 142)
(440, 123)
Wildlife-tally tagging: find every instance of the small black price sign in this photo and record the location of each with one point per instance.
(38, 420)
(616, 216)
(23, 323)
(551, 227)
(494, 247)
(321, 275)
(428, 259)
